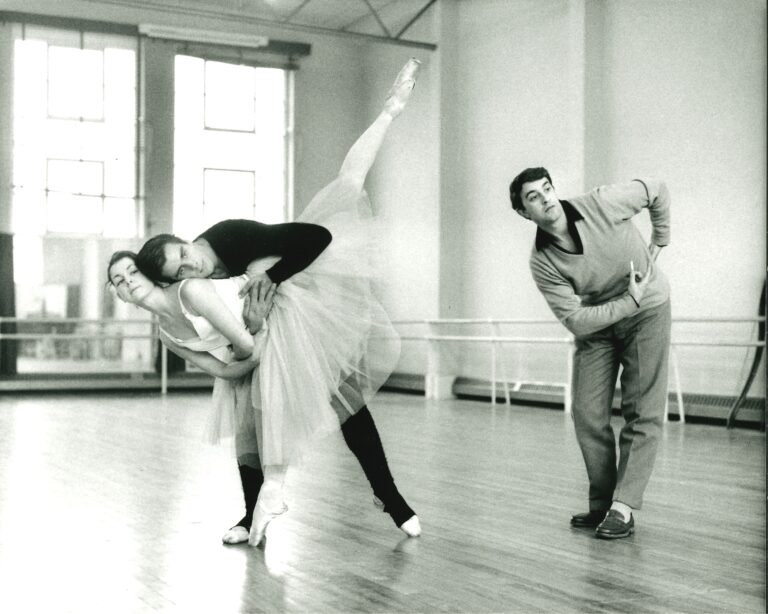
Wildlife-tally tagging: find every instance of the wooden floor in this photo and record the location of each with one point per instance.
(111, 503)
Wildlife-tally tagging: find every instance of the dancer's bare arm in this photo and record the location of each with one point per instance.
(210, 364)
(201, 297)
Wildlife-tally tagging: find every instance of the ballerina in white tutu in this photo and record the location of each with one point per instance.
(329, 344)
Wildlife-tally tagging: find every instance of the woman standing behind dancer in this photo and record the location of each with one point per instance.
(330, 344)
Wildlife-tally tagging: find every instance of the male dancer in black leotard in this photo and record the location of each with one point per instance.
(227, 248)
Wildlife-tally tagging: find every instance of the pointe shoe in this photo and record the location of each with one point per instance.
(261, 518)
(411, 527)
(400, 92)
(235, 535)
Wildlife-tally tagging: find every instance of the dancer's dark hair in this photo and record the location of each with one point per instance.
(119, 256)
(151, 257)
(529, 174)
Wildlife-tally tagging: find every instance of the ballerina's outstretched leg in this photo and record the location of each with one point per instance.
(360, 432)
(362, 154)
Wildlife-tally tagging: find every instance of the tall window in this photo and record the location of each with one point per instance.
(230, 144)
(74, 190)
(74, 161)
(74, 134)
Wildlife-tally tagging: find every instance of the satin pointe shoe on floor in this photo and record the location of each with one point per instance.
(411, 527)
(236, 535)
(614, 527)
(398, 95)
(261, 519)
(588, 520)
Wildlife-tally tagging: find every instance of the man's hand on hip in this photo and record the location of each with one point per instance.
(638, 283)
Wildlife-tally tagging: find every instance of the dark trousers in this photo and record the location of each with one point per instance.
(640, 344)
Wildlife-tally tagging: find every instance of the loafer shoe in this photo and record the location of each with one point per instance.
(614, 527)
(588, 520)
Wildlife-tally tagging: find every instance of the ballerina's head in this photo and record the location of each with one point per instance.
(130, 284)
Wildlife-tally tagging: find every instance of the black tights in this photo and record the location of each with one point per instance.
(363, 439)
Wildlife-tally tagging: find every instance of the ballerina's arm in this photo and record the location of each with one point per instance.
(201, 297)
(210, 364)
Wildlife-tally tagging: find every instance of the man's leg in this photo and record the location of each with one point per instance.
(644, 394)
(595, 369)
(363, 440)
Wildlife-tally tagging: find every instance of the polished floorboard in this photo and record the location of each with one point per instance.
(113, 503)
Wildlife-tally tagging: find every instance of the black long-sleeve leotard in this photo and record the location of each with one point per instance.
(239, 242)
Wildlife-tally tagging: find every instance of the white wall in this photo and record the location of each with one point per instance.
(686, 101)
(404, 185)
(595, 90)
(683, 98)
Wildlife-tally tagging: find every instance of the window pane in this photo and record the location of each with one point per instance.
(62, 153)
(270, 97)
(74, 214)
(30, 82)
(235, 150)
(61, 167)
(227, 194)
(239, 169)
(27, 260)
(119, 217)
(119, 178)
(229, 96)
(271, 195)
(28, 212)
(120, 85)
(75, 176)
(75, 83)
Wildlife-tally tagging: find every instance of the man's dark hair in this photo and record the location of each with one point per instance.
(119, 256)
(151, 257)
(529, 174)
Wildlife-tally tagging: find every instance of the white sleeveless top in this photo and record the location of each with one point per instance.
(208, 338)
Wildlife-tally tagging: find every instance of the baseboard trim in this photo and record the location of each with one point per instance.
(698, 407)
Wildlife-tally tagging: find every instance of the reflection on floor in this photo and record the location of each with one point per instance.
(111, 503)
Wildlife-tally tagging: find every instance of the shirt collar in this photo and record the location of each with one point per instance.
(543, 238)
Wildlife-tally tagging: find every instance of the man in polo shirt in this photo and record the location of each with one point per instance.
(598, 276)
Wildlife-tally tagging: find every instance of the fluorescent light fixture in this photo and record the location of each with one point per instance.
(202, 36)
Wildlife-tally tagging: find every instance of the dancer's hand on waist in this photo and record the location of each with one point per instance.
(259, 296)
(256, 282)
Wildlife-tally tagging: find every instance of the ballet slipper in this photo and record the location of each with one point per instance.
(261, 519)
(398, 95)
(235, 535)
(411, 527)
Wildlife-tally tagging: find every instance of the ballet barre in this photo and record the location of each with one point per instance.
(495, 340)
(434, 338)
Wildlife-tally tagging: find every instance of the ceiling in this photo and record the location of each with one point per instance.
(388, 20)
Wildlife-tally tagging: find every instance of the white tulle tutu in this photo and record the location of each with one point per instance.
(329, 345)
